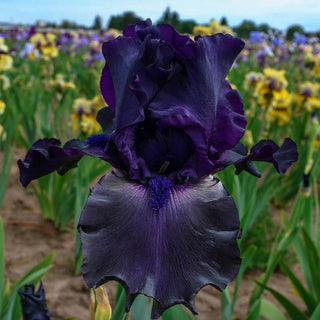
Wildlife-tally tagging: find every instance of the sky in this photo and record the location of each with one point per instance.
(277, 13)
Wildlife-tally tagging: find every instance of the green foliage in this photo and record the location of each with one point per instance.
(10, 308)
(293, 311)
(141, 308)
(264, 27)
(244, 29)
(177, 313)
(262, 235)
(228, 304)
(271, 312)
(59, 196)
(186, 26)
(7, 149)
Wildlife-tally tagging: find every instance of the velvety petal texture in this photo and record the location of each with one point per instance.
(168, 254)
(34, 306)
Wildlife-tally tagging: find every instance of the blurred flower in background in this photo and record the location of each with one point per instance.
(84, 115)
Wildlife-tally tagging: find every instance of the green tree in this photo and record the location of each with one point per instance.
(186, 26)
(97, 23)
(170, 18)
(244, 29)
(123, 20)
(264, 27)
(66, 24)
(293, 29)
(224, 21)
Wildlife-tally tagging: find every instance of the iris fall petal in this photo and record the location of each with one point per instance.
(168, 254)
(46, 156)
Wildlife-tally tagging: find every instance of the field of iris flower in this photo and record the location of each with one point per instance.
(55, 85)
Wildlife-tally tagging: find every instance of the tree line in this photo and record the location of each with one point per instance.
(121, 21)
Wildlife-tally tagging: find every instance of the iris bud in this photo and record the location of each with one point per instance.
(100, 308)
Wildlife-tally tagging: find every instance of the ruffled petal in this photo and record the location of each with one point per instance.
(158, 66)
(168, 254)
(230, 120)
(46, 156)
(164, 32)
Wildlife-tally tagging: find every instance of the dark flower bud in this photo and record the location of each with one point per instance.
(34, 306)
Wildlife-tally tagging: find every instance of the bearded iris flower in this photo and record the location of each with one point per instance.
(160, 223)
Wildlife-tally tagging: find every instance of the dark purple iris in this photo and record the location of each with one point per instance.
(160, 223)
(34, 306)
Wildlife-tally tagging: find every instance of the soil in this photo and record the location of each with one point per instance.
(29, 238)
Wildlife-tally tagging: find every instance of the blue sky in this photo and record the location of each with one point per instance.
(278, 13)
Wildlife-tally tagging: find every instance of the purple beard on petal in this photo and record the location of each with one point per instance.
(159, 189)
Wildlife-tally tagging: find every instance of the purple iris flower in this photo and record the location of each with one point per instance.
(95, 37)
(256, 37)
(160, 223)
(300, 38)
(34, 306)
(81, 42)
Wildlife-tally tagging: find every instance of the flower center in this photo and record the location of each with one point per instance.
(159, 189)
(99, 141)
(164, 150)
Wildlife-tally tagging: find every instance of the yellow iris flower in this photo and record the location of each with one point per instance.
(214, 27)
(2, 107)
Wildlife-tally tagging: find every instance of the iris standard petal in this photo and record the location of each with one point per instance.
(207, 139)
(46, 156)
(122, 61)
(201, 102)
(168, 254)
(164, 32)
(230, 121)
(158, 66)
(201, 90)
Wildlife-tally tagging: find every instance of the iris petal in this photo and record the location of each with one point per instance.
(168, 254)
(107, 88)
(202, 92)
(122, 61)
(46, 156)
(164, 32)
(265, 150)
